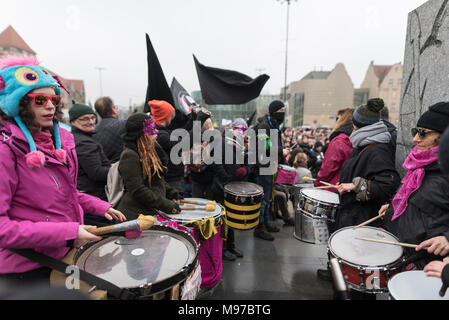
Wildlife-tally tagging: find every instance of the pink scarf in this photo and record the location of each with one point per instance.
(414, 164)
(43, 140)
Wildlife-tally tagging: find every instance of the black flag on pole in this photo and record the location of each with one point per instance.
(220, 86)
(157, 84)
(183, 100)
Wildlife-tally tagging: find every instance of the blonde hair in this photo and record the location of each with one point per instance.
(150, 159)
(345, 116)
(300, 160)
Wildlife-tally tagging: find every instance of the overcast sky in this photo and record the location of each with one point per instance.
(75, 37)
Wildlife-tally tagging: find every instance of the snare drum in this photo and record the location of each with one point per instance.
(150, 266)
(242, 201)
(367, 265)
(415, 285)
(319, 203)
(286, 175)
(296, 189)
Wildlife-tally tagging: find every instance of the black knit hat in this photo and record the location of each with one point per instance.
(78, 110)
(443, 152)
(134, 127)
(436, 118)
(368, 114)
(275, 106)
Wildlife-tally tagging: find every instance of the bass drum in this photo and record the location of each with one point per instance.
(150, 266)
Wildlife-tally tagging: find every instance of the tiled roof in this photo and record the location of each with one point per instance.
(317, 75)
(381, 72)
(77, 84)
(10, 38)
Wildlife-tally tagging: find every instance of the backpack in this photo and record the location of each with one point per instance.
(115, 188)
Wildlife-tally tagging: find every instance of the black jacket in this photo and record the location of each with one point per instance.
(264, 123)
(93, 164)
(394, 134)
(426, 215)
(376, 164)
(109, 134)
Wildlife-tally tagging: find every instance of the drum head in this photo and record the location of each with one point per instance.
(343, 245)
(242, 188)
(321, 195)
(415, 285)
(187, 215)
(155, 256)
(304, 185)
(286, 168)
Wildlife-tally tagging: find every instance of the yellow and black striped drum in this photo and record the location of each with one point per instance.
(242, 201)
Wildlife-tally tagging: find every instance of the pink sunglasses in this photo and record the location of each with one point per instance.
(42, 99)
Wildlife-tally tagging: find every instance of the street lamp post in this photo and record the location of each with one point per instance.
(286, 45)
(101, 85)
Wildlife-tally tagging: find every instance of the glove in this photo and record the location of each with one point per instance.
(241, 172)
(177, 196)
(176, 209)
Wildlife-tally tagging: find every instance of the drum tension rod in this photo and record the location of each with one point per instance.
(92, 289)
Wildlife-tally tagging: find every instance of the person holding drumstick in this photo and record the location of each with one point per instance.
(419, 212)
(142, 169)
(40, 207)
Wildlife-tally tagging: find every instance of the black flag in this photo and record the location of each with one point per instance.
(157, 84)
(220, 86)
(183, 100)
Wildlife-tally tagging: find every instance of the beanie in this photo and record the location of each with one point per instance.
(436, 118)
(239, 122)
(275, 106)
(443, 152)
(18, 76)
(134, 127)
(368, 114)
(78, 110)
(161, 110)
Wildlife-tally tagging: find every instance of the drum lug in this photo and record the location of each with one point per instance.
(362, 278)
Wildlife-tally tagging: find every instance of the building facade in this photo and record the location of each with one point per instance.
(316, 98)
(384, 81)
(12, 43)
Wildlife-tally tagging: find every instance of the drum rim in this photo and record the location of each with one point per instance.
(260, 192)
(319, 201)
(163, 284)
(311, 215)
(362, 266)
(180, 220)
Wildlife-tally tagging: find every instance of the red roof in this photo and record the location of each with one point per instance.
(10, 38)
(77, 84)
(381, 72)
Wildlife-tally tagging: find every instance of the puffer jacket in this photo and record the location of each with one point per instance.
(40, 208)
(337, 153)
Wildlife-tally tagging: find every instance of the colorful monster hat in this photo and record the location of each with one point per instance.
(18, 76)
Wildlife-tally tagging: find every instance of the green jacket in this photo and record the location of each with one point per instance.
(139, 197)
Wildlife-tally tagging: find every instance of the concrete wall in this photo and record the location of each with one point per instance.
(426, 69)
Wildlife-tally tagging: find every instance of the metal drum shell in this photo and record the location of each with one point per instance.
(149, 290)
(304, 230)
(317, 208)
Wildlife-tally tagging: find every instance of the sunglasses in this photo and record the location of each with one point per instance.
(421, 132)
(42, 99)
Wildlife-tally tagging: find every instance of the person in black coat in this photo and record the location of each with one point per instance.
(368, 178)
(419, 212)
(93, 163)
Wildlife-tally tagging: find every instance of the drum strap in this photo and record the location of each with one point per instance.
(112, 289)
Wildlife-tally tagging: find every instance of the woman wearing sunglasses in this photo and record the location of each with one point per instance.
(419, 212)
(40, 207)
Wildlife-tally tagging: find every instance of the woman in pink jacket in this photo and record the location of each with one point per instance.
(40, 207)
(339, 150)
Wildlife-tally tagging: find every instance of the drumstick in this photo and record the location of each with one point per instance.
(307, 179)
(367, 222)
(389, 242)
(210, 206)
(141, 223)
(329, 184)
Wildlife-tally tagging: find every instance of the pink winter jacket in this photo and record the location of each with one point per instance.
(39, 208)
(339, 150)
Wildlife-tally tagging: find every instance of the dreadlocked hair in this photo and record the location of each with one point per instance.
(151, 164)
